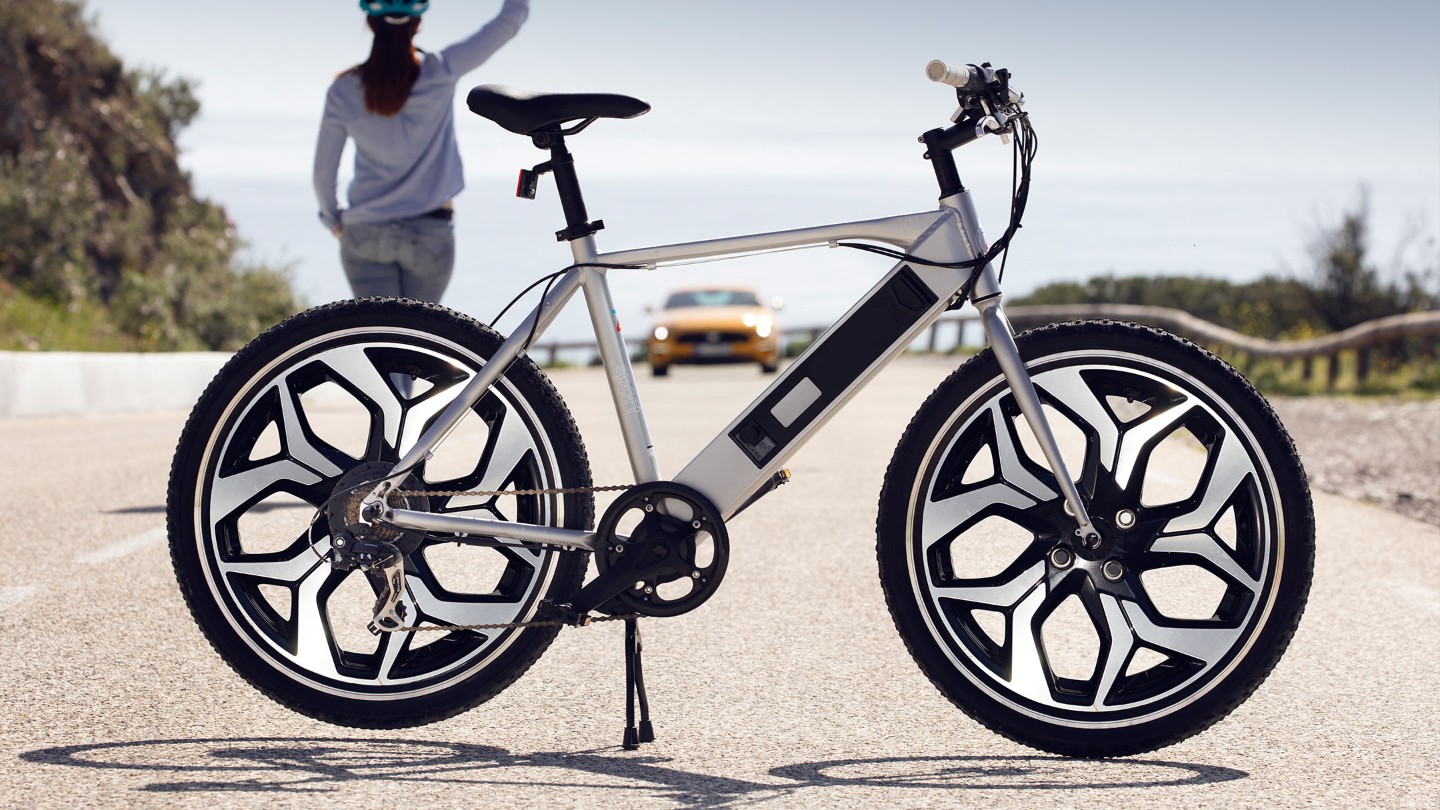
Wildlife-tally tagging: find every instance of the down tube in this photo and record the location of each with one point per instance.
(814, 388)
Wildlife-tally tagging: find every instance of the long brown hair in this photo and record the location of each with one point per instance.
(390, 72)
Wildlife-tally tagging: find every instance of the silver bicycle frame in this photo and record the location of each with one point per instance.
(801, 400)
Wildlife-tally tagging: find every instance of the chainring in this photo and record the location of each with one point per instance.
(683, 558)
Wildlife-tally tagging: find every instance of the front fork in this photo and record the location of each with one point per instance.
(1002, 342)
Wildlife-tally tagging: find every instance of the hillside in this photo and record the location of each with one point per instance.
(103, 243)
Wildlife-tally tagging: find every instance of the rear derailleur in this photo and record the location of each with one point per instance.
(375, 549)
(384, 565)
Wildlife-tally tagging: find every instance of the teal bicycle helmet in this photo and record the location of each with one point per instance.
(394, 8)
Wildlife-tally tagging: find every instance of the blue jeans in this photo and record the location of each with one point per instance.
(408, 258)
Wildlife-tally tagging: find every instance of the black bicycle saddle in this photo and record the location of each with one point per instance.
(525, 112)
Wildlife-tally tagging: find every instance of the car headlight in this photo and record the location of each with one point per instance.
(748, 319)
(764, 326)
(661, 333)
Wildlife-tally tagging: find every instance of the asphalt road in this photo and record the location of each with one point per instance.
(790, 687)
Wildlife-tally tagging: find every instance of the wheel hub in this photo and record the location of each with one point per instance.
(1124, 535)
(343, 510)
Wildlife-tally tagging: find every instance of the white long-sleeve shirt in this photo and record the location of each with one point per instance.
(406, 164)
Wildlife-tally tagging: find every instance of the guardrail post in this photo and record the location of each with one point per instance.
(934, 336)
(1307, 370)
(1334, 373)
(1362, 363)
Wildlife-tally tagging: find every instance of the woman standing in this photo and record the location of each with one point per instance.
(397, 238)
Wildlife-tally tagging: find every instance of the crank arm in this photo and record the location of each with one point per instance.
(632, 566)
(609, 584)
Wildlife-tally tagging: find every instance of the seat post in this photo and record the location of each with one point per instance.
(577, 221)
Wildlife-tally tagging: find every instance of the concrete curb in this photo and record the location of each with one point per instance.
(35, 384)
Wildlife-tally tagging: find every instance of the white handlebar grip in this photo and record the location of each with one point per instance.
(938, 71)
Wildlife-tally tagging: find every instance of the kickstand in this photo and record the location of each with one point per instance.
(635, 688)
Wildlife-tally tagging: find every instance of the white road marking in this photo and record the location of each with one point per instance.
(123, 548)
(12, 595)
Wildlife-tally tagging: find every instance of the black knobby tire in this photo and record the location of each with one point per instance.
(1042, 647)
(326, 391)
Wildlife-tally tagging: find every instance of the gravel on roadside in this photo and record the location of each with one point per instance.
(1383, 451)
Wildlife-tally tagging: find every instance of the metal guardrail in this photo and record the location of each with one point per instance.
(1361, 339)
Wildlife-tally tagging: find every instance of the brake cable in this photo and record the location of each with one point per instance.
(1024, 149)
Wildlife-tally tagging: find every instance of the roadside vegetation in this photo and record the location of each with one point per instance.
(1342, 286)
(103, 244)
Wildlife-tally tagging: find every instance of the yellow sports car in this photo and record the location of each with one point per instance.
(714, 325)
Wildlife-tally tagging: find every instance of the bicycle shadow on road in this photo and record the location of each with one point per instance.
(325, 765)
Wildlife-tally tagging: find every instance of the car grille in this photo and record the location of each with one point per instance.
(713, 337)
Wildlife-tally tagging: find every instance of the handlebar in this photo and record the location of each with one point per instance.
(971, 80)
(964, 78)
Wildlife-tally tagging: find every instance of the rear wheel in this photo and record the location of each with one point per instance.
(1195, 590)
(353, 385)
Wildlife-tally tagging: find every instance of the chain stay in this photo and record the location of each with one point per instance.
(448, 628)
(406, 493)
(486, 493)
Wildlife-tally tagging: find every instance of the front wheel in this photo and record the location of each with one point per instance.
(1195, 590)
(334, 396)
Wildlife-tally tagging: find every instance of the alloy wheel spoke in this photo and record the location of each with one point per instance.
(314, 649)
(1204, 644)
(229, 492)
(941, 517)
(1001, 595)
(1068, 386)
(1211, 555)
(508, 447)
(290, 570)
(391, 646)
(460, 612)
(357, 369)
(1137, 442)
(1116, 652)
(1230, 467)
(1012, 468)
(1029, 674)
(296, 444)
(426, 409)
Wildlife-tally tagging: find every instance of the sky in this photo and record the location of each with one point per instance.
(1199, 138)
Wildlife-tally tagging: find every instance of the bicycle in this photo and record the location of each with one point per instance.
(965, 476)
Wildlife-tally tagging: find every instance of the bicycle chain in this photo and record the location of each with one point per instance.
(448, 628)
(441, 493)
(481, 493)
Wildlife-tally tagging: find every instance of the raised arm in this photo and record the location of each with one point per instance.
(328, 149)
(471, 52)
